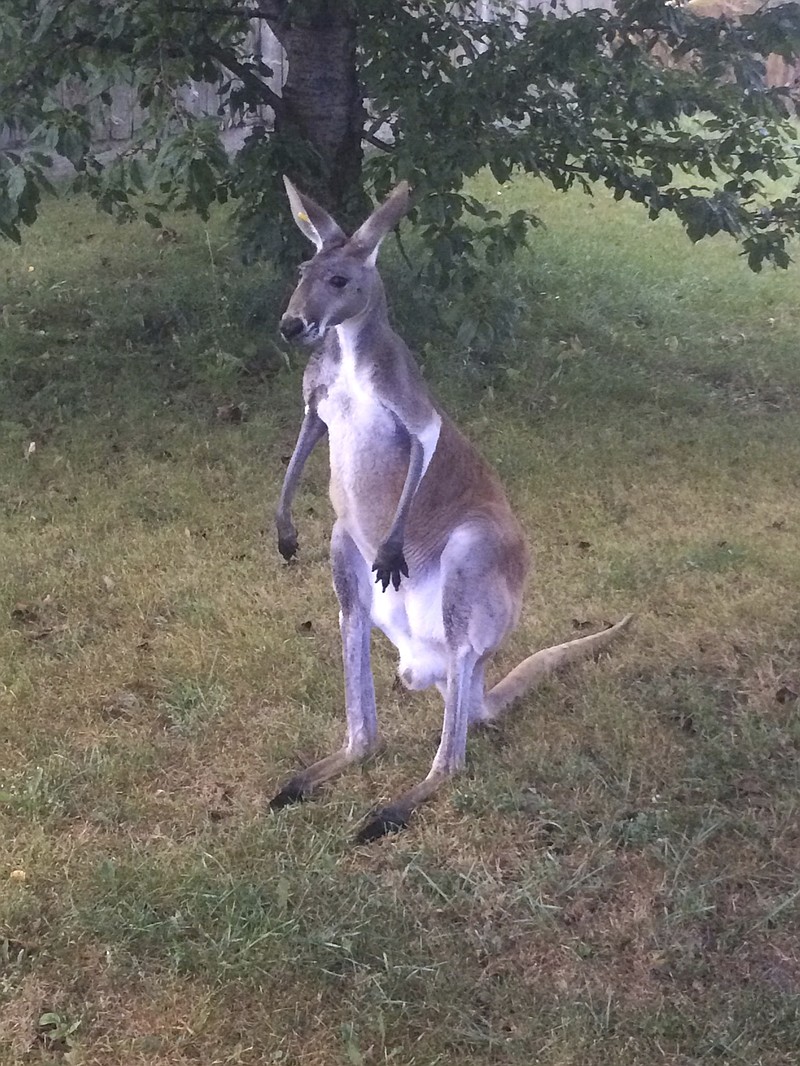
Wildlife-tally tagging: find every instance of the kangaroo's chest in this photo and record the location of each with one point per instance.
(357, 418)
(369, 449)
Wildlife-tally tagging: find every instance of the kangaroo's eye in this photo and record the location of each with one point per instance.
(338, 281)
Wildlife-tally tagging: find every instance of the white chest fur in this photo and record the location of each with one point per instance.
(370, 443)
(352, 409)
(353, 397)
(366, 445)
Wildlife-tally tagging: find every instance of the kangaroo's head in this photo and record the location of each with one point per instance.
(341, 281)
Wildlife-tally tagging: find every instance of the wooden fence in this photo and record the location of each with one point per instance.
(118, 121)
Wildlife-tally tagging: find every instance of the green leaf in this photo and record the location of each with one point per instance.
(73, 146)
(49, 11)
(137, 174)
(16, 183)
(354, 1056)
(467, 331)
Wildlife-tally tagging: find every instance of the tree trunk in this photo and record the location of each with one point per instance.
(322, 105)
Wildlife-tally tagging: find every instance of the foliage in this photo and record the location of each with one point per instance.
(580, 99)
(575, 100)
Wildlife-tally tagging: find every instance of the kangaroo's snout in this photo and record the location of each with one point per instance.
(291, 327)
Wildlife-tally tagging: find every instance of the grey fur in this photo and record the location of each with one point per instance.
(414, 503)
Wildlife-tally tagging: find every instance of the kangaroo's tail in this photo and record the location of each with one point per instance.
(543, 663)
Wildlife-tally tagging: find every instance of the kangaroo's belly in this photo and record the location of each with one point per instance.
(411, 617)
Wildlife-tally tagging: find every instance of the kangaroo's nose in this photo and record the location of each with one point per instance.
(291, 327)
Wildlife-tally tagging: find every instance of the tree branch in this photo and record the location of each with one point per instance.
(248, 78)
(370, 138)
(264, 10)
(269, 9)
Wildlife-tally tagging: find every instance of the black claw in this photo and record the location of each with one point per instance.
(390, 577)
(292, 792)
(287, 546)
(389, 566)
(381, 823)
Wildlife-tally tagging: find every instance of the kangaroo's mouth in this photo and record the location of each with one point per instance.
(298, 331)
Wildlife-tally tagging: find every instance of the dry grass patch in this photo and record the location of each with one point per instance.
(612, 880)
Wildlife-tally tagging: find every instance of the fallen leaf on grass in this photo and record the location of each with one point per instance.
(24, 612)
(749, 788)
(232, 412)
(37, 621)
(46, 631)
(685, 721)
(220, 801)
(121, 704)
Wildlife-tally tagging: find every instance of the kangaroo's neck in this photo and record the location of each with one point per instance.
(365, 337)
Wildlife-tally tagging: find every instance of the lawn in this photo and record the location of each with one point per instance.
(613, 880)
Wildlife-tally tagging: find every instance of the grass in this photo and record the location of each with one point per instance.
(614, 878)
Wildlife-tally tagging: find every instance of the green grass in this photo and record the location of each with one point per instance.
(613, 880)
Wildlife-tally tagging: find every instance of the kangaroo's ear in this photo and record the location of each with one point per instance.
(383, 219)
(312, 220)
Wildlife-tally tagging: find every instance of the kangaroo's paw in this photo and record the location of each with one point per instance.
(294, 791)
(390, 565)
(380, 823)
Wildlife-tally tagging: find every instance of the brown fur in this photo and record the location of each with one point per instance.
(415, 503)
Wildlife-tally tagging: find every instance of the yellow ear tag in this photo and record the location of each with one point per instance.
(303, 216)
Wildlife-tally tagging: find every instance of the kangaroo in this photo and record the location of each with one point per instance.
(425, 545)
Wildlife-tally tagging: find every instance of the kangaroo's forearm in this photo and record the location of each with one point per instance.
(390, 563)
(416, 464)
(312, 430)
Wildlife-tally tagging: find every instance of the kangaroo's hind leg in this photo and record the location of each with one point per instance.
(352, 581)
(477, 613)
